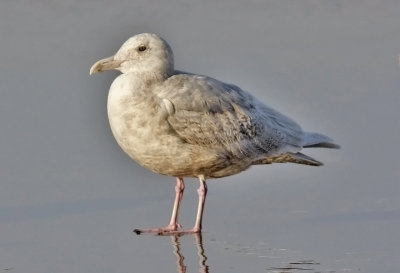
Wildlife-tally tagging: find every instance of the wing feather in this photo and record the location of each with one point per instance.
(216, 115)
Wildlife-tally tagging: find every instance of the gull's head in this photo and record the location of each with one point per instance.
(142, 53)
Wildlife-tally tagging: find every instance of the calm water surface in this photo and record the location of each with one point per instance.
(69, 198)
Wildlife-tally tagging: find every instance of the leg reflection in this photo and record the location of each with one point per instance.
(180, 265)
(200, 252)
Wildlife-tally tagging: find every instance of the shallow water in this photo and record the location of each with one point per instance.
(69, 198)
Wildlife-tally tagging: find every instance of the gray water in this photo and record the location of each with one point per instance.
(70, 198)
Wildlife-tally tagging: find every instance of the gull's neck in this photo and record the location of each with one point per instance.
(150, 77)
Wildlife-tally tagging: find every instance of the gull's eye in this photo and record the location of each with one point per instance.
(142, 48)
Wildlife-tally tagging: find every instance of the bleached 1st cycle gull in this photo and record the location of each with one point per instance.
(185, 125)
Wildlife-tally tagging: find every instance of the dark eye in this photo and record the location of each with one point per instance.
(142, 48)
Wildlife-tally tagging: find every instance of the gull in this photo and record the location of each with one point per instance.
(186, 125)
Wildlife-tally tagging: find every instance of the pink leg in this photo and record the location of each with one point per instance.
(179, 188)
(172, 228)
(202, 191)
(173, 224)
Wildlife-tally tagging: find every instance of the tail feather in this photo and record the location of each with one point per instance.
(298, 158)
(315, 140)
(328, 145)
(310, 140)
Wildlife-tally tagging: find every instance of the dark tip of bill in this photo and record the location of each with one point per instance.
(137, 231)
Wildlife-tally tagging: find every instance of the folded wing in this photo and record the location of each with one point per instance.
(209, 113)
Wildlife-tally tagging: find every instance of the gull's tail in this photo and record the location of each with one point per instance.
(297, 158)
(315, 140)
(310, 140)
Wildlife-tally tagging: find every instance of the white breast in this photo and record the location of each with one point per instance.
(138, 122)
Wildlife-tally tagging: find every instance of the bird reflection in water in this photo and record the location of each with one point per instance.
(180, 265)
